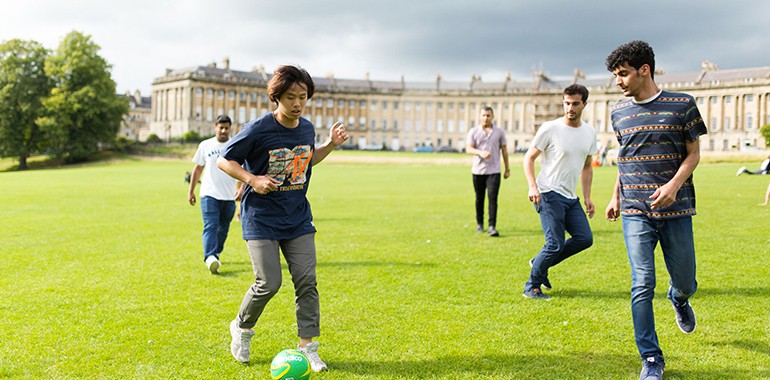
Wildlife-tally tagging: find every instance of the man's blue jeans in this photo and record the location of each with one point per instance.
(217, 216)
(559, 214)
(641, 235)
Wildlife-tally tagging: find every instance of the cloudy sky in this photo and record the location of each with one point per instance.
(414, 38)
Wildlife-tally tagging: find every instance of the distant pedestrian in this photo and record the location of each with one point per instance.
(567, 145)
(486, 142)
(218, 193)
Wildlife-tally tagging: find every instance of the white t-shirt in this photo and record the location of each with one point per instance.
(214, 182)
(564, 150)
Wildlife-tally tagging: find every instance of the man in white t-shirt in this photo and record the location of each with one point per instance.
(218, 193)
(566, 144)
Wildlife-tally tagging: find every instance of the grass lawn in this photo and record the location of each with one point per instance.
(103, 277)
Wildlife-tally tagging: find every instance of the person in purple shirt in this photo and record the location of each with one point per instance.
(486, 143)
(658, 134)
(273, 157)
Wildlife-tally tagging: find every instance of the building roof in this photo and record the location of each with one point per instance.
(709, 75)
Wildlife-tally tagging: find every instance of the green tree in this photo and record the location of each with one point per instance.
(23, 83)
(765, 131)
(84, 110)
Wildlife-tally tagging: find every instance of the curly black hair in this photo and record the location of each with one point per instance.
(635, 53)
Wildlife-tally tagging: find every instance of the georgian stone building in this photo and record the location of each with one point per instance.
(402, 115)
(136, 125)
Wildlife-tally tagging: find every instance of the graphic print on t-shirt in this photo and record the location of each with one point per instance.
(290, 165)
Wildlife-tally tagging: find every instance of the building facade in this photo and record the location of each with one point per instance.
(401, 115)
(136, 125)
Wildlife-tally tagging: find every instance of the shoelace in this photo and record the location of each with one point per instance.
(653, 367)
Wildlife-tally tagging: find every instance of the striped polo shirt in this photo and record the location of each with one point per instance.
(652, 137)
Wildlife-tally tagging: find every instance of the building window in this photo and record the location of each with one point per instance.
(220, 94)
(351, 120)
(209, 93)
(384, 104)
(749, 121)
(252, 113)
(728, 99)
(241, 114)
(727, 123)
(713, 99)
(373, 106)
(198, 92)
(395, 105)
(231, 94)
(362, 121)
(319, 119)
(749, 98)
(418, 106)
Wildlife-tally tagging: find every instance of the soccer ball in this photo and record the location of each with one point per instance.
(290, 365)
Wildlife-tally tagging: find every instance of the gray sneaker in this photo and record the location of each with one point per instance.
(311, 352)
(536, 294)
(651, 369)
(685, 317)
(240, 346)
(492, 231)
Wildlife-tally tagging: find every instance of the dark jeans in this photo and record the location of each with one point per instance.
(486, 184)
(558, 215)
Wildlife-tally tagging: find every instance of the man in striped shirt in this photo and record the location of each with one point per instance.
(658, 134)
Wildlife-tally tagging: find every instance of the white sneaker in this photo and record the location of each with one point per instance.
(740, 171)
(213, 264)
(240, 346)
(311, 352)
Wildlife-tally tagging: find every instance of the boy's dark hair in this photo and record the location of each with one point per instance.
(635, 53)
(221, 119)
(575, 89)
(284, 77)
(488, 108)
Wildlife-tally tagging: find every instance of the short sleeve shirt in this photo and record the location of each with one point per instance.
(565, 150)
(490, 141)
(214, 183)
(652, 138)
(265, 147)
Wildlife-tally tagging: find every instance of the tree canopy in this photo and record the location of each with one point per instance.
(83, 108)
(23, 86)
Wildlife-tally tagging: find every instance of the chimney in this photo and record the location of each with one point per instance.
(226, 63)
